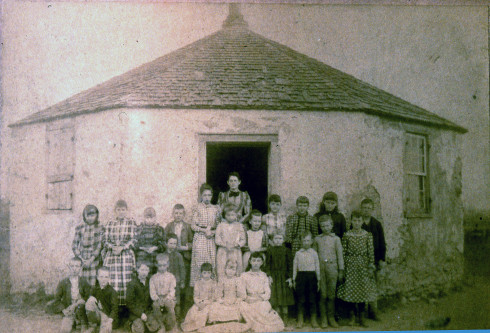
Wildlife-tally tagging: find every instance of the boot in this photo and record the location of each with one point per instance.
(301, 319)
(360, 315)
(331, 313)
(323, 314)
(314, 322)
(373, 311)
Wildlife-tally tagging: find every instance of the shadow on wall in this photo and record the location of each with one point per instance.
(4, 248)
(477, 242)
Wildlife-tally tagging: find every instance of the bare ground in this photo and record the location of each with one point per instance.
(467, 307)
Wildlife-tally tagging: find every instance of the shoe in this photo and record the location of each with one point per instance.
(331, 314)
(301, 320)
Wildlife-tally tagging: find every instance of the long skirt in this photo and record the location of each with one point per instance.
(220, 312)
(121, 269)
(195, 319)
(203, 250)
(261, 317)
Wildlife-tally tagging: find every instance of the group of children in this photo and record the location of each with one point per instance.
(230, 265)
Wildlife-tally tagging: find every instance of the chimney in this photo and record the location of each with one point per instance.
(235, 18)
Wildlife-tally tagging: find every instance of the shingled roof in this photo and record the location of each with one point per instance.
(238, 69)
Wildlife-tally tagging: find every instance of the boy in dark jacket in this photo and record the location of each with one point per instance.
(139, 303)
(102, 307)
(376, 229)
(70, 298)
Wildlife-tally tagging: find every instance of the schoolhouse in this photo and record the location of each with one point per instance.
(236, 101)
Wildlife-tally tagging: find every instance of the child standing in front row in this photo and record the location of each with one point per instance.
(176, 267)
(230, 237)
(329, 249)
(306, 279)
(279, 267)
(275, 221)
(256, 236)
(359, 286)
(162, 290)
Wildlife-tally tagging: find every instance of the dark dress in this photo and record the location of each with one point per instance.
(279, 266)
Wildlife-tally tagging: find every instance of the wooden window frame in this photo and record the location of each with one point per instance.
(426, 211)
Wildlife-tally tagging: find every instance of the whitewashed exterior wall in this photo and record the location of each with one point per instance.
(151, 158)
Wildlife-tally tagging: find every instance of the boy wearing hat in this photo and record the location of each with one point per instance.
(150, 239)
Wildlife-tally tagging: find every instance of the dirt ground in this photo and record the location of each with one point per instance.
(468, 308)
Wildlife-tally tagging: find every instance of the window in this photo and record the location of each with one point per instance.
(416, 187)
(60, 143)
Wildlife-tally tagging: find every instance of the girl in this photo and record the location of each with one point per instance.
(119, 239)
(228, 297)
(275, 221)
(328, 206)
(359, 286)
(278, 266)
(256, 309)
(204, 227)
(230, 237)
(87, 243)
(240, 199)
(204, 295)
(256, 237)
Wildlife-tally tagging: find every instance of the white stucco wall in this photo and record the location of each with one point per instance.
(151, 158)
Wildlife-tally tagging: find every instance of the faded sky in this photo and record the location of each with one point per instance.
(434, 57)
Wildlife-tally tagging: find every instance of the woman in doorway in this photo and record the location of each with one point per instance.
(240, 199)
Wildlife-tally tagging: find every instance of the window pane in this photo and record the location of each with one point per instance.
(421, 152)
(412, 193)
(421, 192)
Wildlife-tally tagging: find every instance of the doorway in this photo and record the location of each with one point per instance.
(249, 159)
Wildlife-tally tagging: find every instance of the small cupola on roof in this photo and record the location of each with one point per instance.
(238, 69)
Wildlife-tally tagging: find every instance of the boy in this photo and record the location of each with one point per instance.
(299, 223)
(176, 267)
(150, 238)
(70, 298)
(372, 225)
(102, 307)
(138, 302)
(240, 199)
(329, 249)
(162, 290)
(185, 237)
(306, 278)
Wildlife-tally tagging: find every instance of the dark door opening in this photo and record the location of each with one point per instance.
(249, 159)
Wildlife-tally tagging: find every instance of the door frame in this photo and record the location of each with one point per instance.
(273, 167)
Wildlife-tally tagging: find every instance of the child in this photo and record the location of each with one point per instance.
(87, 243)
(275, 221)
(119, 239)
(230, 237)
(162, 290)
(184, 247)
(240, 199)
(256, 237)
(329, 249)
(228, 298)
(204, 227)
(359, 286)
(328, 206)
(139, 302)
(280, 268)
(150, 238)
(306, 278)
(256, 309)
(372, 225)
(204, 295)
(102, 307)
(71, 295)
(176, 267)
(299, 223)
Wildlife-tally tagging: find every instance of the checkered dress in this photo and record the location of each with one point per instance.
(120, 233)
(203, 248)
(295, 226)
(88, 243)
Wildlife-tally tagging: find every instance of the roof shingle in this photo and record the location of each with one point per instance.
(236, 68)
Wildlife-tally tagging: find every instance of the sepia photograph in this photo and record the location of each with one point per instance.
(244, 166)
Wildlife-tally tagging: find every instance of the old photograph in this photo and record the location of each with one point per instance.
(244, 167)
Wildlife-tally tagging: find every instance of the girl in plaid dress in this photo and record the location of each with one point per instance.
(204, 223)
(119, 237)
(87, 243)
